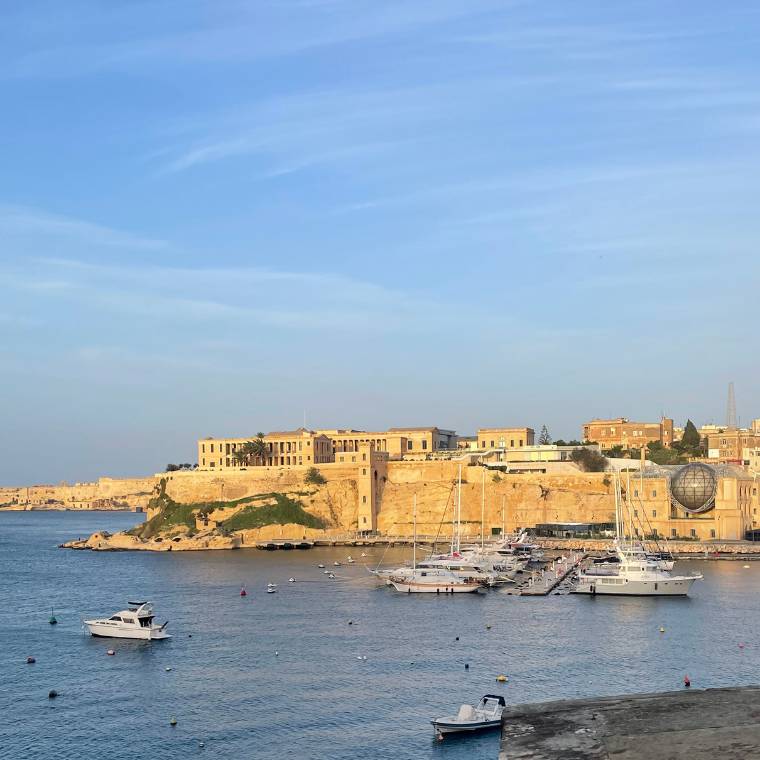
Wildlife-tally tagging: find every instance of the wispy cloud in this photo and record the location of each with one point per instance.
(30, 221)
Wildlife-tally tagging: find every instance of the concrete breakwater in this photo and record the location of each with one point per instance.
(693, 724)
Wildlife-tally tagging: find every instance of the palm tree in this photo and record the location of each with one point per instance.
(248, 451)
(259, 449)
(239, 457)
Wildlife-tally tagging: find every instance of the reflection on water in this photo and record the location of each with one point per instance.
(270, 675)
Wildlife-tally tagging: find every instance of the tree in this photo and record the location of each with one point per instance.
(544, 439)
(691, 441)
(239, 457)
(314, 477)
(589, 460)
(172, 467)
(259, 449)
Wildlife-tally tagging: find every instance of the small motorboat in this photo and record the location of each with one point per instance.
(321, 566)
(336, 563)
(350, 560)
(271, 590)
(136, 622)
(486, 714)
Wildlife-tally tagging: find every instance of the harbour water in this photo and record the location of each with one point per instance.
(279, 675)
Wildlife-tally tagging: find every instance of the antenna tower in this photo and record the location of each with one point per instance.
(731, 407)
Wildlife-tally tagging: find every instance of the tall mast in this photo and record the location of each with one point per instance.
(414, 544)
(483, 511)
(503, 526)
(459, 510)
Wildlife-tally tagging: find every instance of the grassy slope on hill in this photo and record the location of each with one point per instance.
(172, 514)
(285, 510)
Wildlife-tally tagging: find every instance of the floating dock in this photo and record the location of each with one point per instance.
(691, 723)
(543, 582)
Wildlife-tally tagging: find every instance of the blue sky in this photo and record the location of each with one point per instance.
(217, 215)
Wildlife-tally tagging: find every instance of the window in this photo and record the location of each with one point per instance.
(409, 445)
(212, 448)
(654, 513)
(673, 533)
(635, 492)
(512, 443)
(353, 459)
(424, 444)
(364, 520)
(364, 470)
(693, 533)
(482, 444)
(211, 464)
(364, 499)
(712, 533)
(492, 444)
(204, 461)
(521, 442)
(654, 494)
(203, 448)
(364, 456)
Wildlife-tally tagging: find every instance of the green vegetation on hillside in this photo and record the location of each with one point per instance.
(314, 477)
(285, 510)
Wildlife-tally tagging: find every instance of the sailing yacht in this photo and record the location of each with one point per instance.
(631, 570)
(429, 579)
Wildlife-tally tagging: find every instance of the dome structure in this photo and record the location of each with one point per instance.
(693, 488)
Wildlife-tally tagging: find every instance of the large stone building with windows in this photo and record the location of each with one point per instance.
(732, 445)
(505, 438)
(313, 447)
(630, 435)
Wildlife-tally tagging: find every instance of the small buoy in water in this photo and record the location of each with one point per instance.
(201, 744)
(457, 638)
(189, 635)
(243, 592)
(662, 630)
(276, 653)
(52, 694)
(686, 681)
(291, 580)
(167, 669)
(110, 652)
(488, 626)
(350, 622)
(52, 619)
(501, 678)
(30, 660)
(467, 666)
(173, 722)
(331, 575)
(741, 646)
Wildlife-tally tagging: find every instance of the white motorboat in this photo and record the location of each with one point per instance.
(634, 574)
(136, 622)
(631, 570)
(486, 714)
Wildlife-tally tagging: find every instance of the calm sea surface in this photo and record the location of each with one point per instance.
(315, 699)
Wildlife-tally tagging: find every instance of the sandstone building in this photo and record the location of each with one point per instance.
(622, 432)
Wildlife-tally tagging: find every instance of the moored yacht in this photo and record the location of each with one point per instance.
(420, 580)
(634, 574)
(631, 570)
(136, 622)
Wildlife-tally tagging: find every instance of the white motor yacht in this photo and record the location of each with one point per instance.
(631, 570)
(634, 574)
(136, 622)
(486, 714)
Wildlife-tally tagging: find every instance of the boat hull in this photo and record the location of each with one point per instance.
(410, 587)
(105, 631)
(613, 587)
(453, 727)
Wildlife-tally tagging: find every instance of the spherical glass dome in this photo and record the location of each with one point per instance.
(693, 487)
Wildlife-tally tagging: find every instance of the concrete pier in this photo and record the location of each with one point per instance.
(691, 723)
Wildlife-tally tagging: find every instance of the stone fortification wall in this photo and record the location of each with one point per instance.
(105, 493)
(526, 499)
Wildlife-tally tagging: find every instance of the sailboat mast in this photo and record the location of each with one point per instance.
(414, 544)
(459, 510)
(483, 511)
